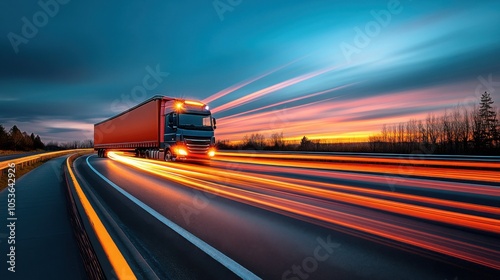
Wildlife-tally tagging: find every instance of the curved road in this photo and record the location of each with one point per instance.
(294, 219)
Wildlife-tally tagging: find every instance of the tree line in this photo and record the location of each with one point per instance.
(277, 142)
(16, 140)
(461, 130)
(55, 146)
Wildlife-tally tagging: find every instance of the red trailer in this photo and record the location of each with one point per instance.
(161, 127)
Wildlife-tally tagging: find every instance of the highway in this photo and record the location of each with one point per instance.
(302, 216)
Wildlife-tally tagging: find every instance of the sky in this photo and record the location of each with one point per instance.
(321, 69)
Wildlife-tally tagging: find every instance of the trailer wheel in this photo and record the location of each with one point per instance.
(168, 155)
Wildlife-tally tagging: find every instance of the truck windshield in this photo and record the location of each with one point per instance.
(195, 121)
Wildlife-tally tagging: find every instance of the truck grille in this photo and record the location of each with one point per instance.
(197, 145)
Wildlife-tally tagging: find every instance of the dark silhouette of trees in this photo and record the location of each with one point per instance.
(276, 141)
(38, 144)
(254, 141)
(305, 144)
(485, 123)
(19, 141)
(460, 130)
(4, 138)
(17, 138)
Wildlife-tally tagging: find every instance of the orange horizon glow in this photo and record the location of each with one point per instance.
(333, 119)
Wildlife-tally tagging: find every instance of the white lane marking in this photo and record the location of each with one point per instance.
(229, 263)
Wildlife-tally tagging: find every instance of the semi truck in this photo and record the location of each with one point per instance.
(161, 127)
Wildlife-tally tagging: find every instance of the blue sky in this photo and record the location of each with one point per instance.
(88, 60)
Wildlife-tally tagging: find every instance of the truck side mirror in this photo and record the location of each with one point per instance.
(215, 123)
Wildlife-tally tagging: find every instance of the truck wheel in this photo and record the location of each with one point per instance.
(168, 155)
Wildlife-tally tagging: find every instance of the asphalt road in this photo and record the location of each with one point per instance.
(295, 219)
(35, 228)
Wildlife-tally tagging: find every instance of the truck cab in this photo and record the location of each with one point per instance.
(188, 131)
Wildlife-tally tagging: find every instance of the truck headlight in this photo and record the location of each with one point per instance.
(182, 152)
(211, 153)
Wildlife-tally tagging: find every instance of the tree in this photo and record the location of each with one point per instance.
(4, 139)
(277, 141)
(305, 143)
(38, 144)
(254, 141)
(17, 138)
(27, 142)
(89, 143)
(485, 123)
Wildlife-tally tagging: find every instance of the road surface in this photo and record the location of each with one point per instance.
(302, 218)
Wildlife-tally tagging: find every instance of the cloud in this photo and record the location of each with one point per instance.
(90, 57)
(54, 130)
(57, 64)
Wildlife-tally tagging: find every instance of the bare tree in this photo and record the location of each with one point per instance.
(277, 141)
(255, 141)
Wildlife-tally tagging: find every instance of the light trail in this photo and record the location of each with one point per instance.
(287, 101)
(236, 87)
(392, 166)
(369, 211)
(263, 115)
(398, 182)
(252, 96)
(353, 117)
(377, 160)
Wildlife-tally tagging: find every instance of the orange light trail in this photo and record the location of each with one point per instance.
(377, 160)
(250, 97)
(376, 212)
(392, 166)
(286, 102)
(342, 118)
(236, 87)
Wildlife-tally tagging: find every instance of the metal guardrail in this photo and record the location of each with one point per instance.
(90, 258)
(30, 160)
